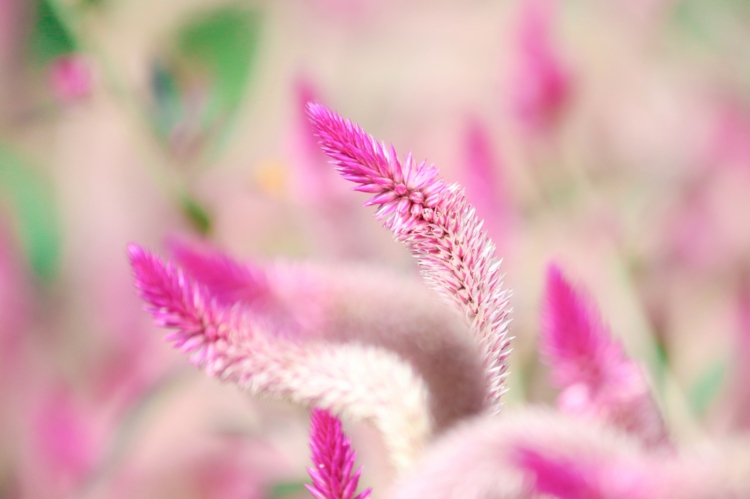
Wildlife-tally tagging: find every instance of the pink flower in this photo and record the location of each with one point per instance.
(333, 460)
(70, 78)
(541, 88)
(345, 304)
(437, 224)
(597, 377)
(357, 381)
(485, 186)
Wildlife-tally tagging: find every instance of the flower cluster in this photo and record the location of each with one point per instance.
(249, 325)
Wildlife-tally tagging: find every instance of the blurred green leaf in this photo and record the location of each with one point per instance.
(51, 36)
(197, 215)
(224, 41)
(33, 205)
(707, 388)
(169, 110)
(285, 489)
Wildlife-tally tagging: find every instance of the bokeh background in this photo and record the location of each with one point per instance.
(611, 136)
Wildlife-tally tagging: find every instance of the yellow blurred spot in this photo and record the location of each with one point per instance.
(270, 176)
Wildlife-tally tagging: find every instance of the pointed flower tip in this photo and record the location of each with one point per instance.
(315, 110)
(556, 476)
(135, 252)
(576, 343)
(332, 454)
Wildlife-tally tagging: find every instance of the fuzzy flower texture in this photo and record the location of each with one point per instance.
(430, 378)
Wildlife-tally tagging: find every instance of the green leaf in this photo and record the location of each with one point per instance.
(707, 388)
(197, 215)
(286, 489)
(223, 42)
(51, 36)
(33, 205)
(168, 109)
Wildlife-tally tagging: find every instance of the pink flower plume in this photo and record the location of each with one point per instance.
(542, 86)
(361, 382)
(333, 460)
(437, 224)
(597, 377)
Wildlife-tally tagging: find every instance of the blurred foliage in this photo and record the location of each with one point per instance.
(705, 391)
(224, 41)
(52, 34)
(168, 111)
(199, 88)
(286, 489)
(197, 215)
(33, 205)
(712, 20)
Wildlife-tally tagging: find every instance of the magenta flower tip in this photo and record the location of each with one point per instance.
(597, 377)
(436, 223)
(558, 477)
(178, 303)
(576, 342)
(333, 460)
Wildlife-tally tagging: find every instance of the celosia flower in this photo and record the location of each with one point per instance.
(352, 304)
(597, 377)
(333, 460)
(360, 382)
(437, 224)
(484, 183)
(70, 78)
(541, 89)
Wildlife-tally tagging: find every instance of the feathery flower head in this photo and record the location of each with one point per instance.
(200, 325)
(597, 377)
(333, 460)
(437, 224)
(359, 382)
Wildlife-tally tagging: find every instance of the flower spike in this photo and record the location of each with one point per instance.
(437, 224)
(333, 460)
(359, 382)
(597, 377)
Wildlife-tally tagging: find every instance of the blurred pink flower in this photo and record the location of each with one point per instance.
(485, 186)
(70, 78)
(333, 460)
(64, 445)
(730, 143)
(437, 224)
(541, 86)
(598, 379)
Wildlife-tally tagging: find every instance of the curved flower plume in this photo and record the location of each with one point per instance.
(361, 383)
(437, 224)
(353, 305)
(597, 377)
(333, 460)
